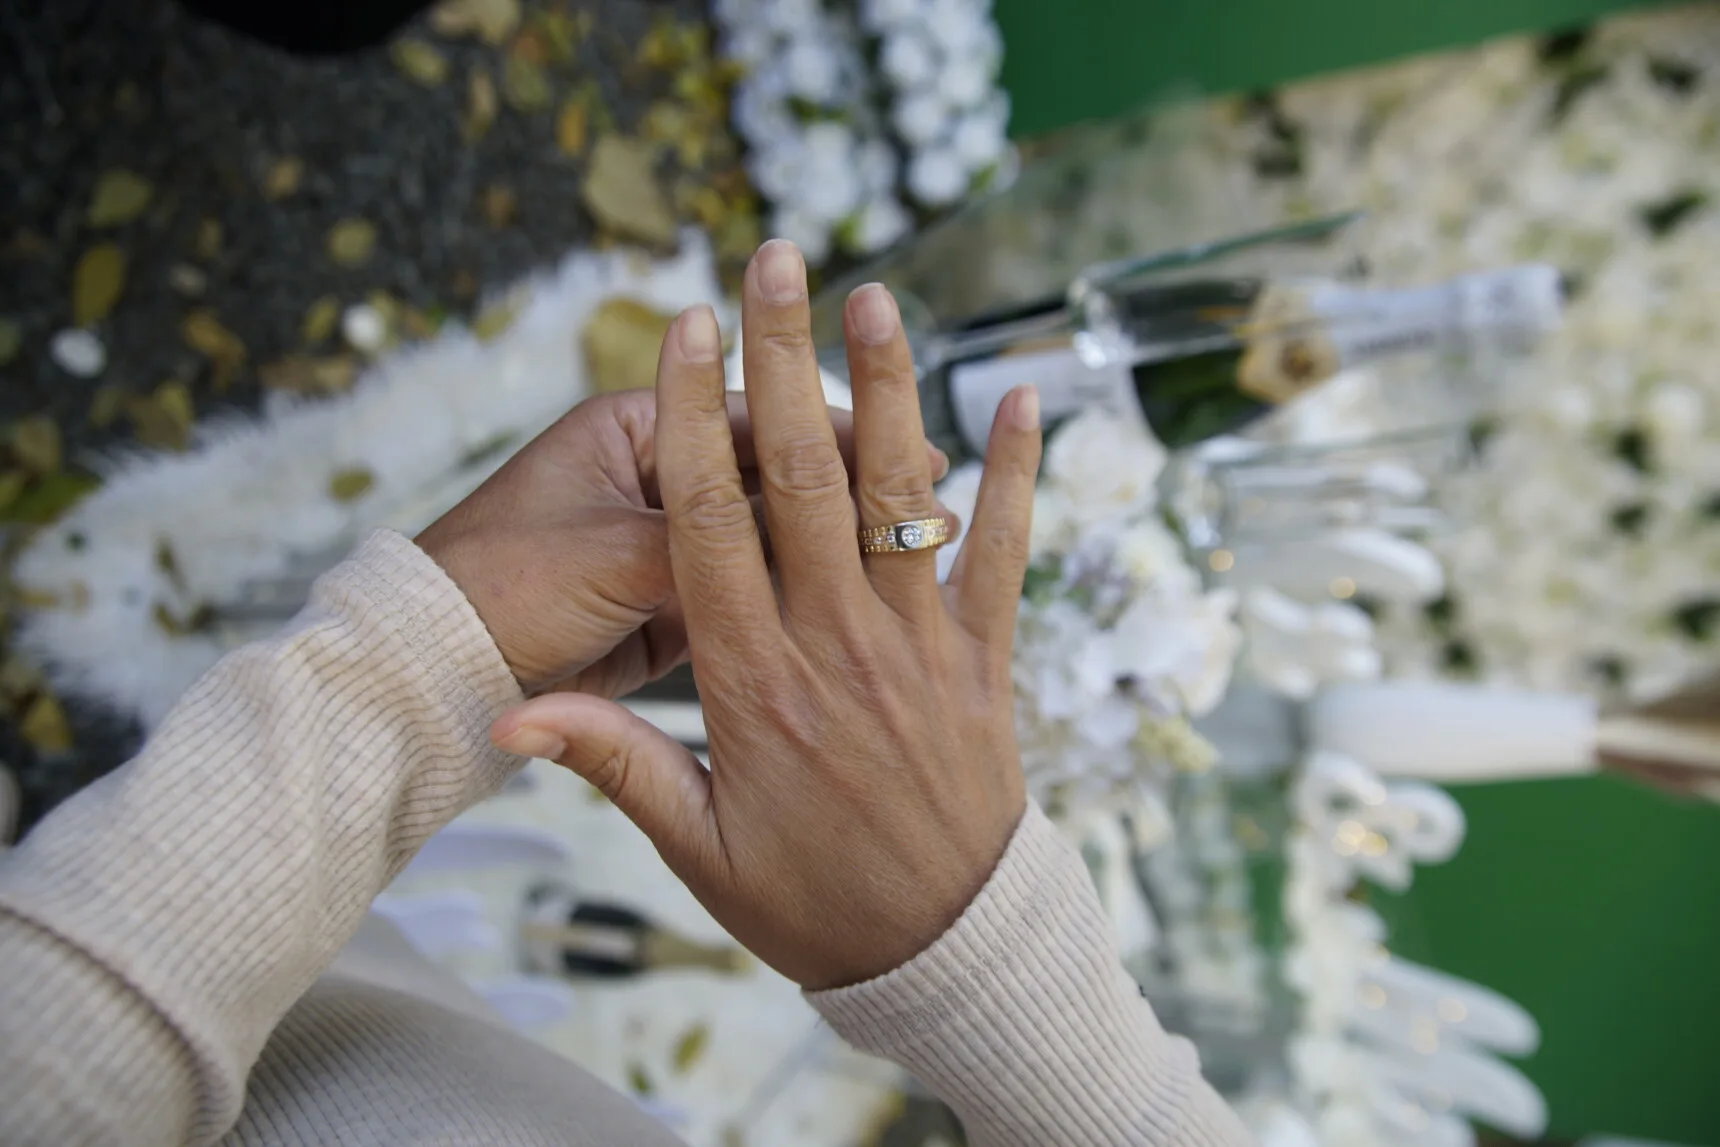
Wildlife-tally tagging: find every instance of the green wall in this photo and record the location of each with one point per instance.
(1070, 60)
(1595, 903)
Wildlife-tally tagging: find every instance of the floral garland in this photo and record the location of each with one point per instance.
(860, 118)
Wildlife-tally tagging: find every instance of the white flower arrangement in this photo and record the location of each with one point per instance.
(846, 153)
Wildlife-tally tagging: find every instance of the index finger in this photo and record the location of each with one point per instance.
(714, 549)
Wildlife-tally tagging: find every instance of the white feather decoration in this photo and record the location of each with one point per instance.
(251, 502)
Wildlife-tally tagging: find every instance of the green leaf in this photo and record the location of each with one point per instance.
(119, 197)
(690, 1046)
(351, 484)
(48, 498)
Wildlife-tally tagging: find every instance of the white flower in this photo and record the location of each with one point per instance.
(1179, 650)
(964, 81)
(880, 223)
(878, 168)
(908, 58)
(1153, 559)
(978, 141)
(828, 187)
(790, 17)
(364, 328)
(955, 25)
(777, 171)
(761, 112)
(936, 178)
(880, 16)
(920, 118)
(1105, 464)
(811, 67)
(808, 232)
(749, 44)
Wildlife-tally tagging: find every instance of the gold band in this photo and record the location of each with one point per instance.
(900, 537)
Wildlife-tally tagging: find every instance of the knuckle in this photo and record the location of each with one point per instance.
(901, 487)
(610, 775)
(807, 465)
(714, 506)
(1005, 542)
(789, 342)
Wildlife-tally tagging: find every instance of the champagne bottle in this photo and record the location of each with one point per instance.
(1199, 357)
(565, 934)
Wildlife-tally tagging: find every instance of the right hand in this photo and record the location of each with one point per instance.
(864, 773)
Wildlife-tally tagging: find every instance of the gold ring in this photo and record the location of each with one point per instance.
(919, 534)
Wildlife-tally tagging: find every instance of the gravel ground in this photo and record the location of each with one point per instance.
(208, 118)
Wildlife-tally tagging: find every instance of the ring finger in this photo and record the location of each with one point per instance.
(893, 483)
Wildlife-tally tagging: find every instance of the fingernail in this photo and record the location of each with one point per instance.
(1027, 408)
(781, 272)
(940, 465)
(529, 741)
(876, 318)
(701, 341)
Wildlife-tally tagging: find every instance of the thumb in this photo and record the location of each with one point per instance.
(645, 773)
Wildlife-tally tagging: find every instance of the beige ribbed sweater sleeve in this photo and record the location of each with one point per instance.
(1022, 1019)
(164, 925)
(155, 928)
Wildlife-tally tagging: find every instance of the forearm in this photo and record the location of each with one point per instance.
(1021, 1018)
(194, 894)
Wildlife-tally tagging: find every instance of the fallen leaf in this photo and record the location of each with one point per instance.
(108, 403)
(562, 35)
(199, 620)
(482, 104)
(707, 205)
(45, 727)
(36, 444)
(207, 244)
(573, 125)
(351, 241)
(496, 318)
(350, 484)
(97, 282)
(283, 177)
(621, 190)
(421, 324)
(498, 204)
(320, 319)
(18, 679)
(162, 419)
(739, 236)
(530, 47)
(168, 563)
(620, 342)
(638, 1079)
(309, 374)
(525, 86)
(49, 497)
(11, 340)
(420, 61)
(119, 197)
(492, 21)
(12, 484)
(205, 334)
(689, 1047)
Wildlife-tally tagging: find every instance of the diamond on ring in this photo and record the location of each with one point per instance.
(901, 537)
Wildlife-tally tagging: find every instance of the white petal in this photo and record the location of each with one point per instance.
(78, 353)
(937, 178)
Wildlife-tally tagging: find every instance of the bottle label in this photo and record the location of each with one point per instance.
(1066, 386)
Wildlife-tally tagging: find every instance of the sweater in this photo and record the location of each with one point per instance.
(171, 938)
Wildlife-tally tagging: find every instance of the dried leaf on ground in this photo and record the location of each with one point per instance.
(639, 1079)
(207, 244)
(420, 61)
(525, 86)
(163, 418)
(351, 242)
(494, 320)
(45, 727)
(482, 103)
(107, 405)
(36, 444)
(531, 47)
(622, 193)
(351, 484)
(620, 342)
(320, 319)
(119, 197)
(573, 125)
(18, 679)
(47, 498)
(498, 204)
(283, 177)
(97, 283)
(690, 1047)
(492, 21)
(562, 33)
(309, 374)
(11, 340)
(205, 334)
(12, 484)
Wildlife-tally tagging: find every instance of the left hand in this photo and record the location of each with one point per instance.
(564, 550)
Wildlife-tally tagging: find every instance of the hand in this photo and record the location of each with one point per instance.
(864, 774)
(563, 551)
